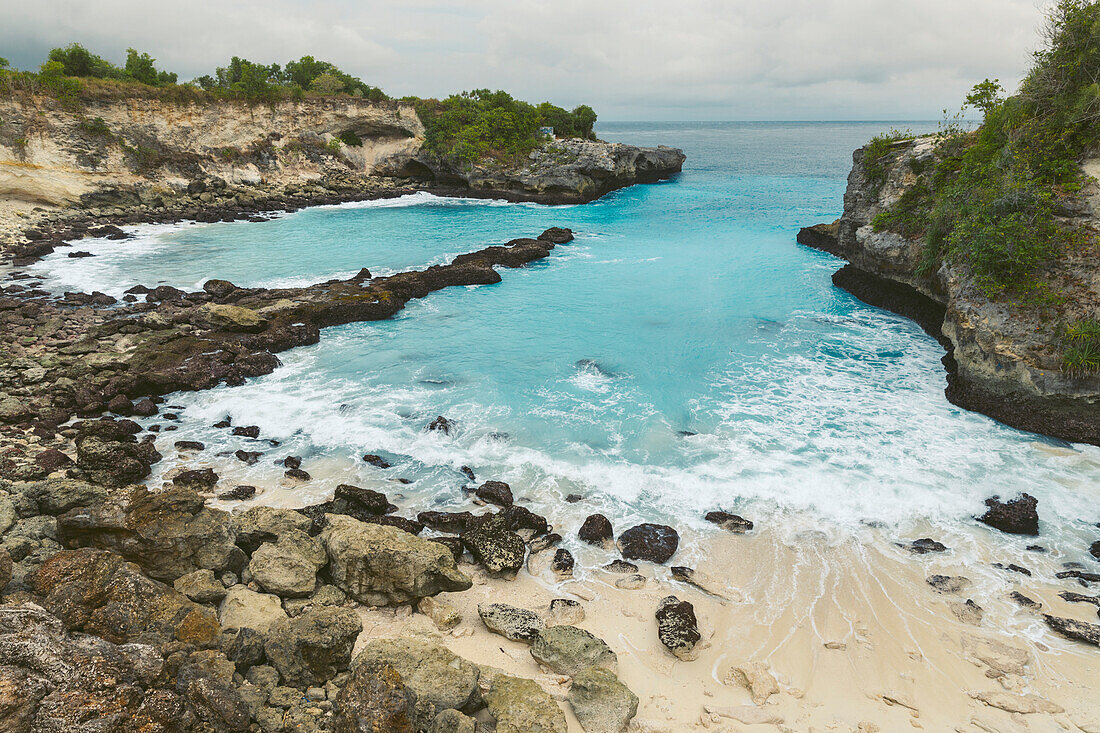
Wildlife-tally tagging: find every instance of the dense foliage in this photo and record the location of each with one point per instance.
(78, 61)
(74, 69)
(468, 127)
(992, 196)
(272, 80)
(462, 128)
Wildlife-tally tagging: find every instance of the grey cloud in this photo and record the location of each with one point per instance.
(630, 59)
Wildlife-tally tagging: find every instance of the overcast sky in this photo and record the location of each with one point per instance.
(629, 59)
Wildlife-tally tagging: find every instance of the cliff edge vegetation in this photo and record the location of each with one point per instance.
(998, 226)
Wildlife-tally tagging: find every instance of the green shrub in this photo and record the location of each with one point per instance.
(991, 201)
(95, 126)
(348, 137)
(1082, 347)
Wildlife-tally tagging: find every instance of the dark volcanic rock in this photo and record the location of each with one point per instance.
(376, 460)
(109, 454)
(145, 408)
(1017, 516)
(1076, 630)
(677, 627)
(518, 518)
(375, 699)
(238, 493)
(557, 235)
(292, 462)
(499, 550)
(562, 564)
(52, 459)
(441, 424)
(597, 530)
(452, 522)
(621, 566)
(169, 533)
(495, 492)
(249, 457)
(923, 546)
(189, 445)
(248, 431)
(297, 474)
(466, 471)
(1094, 549)
(651, 542)
(732, 522)
(365, 500)
(204, 478)
(99, 593)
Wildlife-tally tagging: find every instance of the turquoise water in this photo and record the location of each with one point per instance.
(683, 354)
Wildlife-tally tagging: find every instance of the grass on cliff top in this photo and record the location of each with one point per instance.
(992, 199)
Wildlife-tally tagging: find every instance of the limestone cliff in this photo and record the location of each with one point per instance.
(155, 148)
(150, 155)
(1004, 354)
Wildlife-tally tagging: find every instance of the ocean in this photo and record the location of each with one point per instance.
(683, 354)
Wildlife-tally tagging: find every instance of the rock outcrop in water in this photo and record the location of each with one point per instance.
(1003, 357)
(106, 357)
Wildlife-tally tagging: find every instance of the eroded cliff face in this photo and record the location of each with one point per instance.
(154, 154)
(1004, 354)
(155, 148)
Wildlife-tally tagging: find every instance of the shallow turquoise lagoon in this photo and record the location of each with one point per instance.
(683, 354)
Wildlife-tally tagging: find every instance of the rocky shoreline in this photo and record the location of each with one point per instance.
(1002, 355)
(158, 612)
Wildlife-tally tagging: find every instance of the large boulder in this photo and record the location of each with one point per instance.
(244, 608)
(262, 524)
(374, 700)
(312, 648)
(521, 706)
(99, 593)
(288, 567)
(55, 496)
(677, 627)
(652, 542)
(109, 454)
(568, 650)
(169, 534)
(601, 702)
(517, 624)
(379, 565)
(495, 492)
(437, 676)
(1018, 516)
(499, 550)
(597, 530)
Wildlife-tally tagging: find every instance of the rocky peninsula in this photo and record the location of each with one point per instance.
(135, 159)
(1004, 354)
